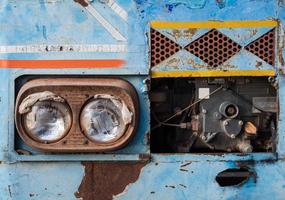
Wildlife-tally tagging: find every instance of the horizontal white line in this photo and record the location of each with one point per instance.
(111, 29)
(104, 48)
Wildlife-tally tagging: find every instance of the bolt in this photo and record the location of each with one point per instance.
(240, 123)
(204, 111)
(203, 137)
(226, 123)
(233, 136)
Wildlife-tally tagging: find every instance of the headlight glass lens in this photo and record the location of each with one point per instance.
(48, 121)
(103, 119)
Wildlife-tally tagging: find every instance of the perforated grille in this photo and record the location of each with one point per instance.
(214, 48)
(264, 47)
(161, 47)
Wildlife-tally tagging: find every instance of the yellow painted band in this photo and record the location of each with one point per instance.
(214, 24)
(211, 73)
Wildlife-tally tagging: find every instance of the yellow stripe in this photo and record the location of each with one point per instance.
(211, 73)
(214, 24)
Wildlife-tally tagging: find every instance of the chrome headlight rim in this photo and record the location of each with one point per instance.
(121, 136)
(63, 105)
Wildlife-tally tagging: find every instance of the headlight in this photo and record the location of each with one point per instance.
(105, 118)
(48, 121)
(76, 114)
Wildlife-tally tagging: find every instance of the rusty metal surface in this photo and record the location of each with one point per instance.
(264, 47)
(77, 92)
(103, 180)
(161, 47)
(214, 48)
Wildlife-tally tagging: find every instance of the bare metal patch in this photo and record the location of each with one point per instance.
(103, 180)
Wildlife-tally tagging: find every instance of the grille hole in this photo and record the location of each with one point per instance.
(233, 177)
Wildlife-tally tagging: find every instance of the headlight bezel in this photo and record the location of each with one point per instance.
(77, 92)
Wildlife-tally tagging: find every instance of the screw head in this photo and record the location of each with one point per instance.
(240, 123)
(233, 136)
(203, 137)
(226, 123)
(204, 111)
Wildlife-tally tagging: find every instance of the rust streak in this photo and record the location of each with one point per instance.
(103, 180)
(83, 3)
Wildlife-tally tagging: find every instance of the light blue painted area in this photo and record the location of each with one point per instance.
(243, 59)
(182, 36)
(52, 22)
(244, 36)
(67, 23)
(45, 181)
(196, 180)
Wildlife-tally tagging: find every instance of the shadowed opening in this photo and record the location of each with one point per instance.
(233, 177)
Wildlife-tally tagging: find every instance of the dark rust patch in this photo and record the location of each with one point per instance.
(103, 180)
(83, 3)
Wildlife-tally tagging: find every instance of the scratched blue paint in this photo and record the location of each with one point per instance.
(172, 180)
(46, 181)
(51, 22)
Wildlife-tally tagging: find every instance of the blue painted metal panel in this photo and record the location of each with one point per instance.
(54, 22)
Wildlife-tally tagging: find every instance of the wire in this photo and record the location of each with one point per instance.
(181, 111)
(186, 108)
(162, 123)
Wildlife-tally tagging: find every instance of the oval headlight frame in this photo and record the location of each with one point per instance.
(77, 93)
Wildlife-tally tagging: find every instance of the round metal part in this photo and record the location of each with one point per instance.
(47, 121)
(103, 119)
(231, 127)
(229, 110)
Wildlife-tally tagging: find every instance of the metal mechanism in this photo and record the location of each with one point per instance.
(48, 111)
(214, 114)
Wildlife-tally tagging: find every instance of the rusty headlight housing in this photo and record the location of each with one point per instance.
(76, 114)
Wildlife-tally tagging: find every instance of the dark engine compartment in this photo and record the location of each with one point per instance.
(210, 115)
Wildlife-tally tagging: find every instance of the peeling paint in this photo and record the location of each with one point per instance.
(103, 180)
(204, 66)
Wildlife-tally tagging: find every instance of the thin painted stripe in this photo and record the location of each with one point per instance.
(110, 28)
(54, 64)
(118, 9)
(106, 48)
(211, 73)
(214, 24)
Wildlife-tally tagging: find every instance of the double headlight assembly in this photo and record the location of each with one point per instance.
(76, 115)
